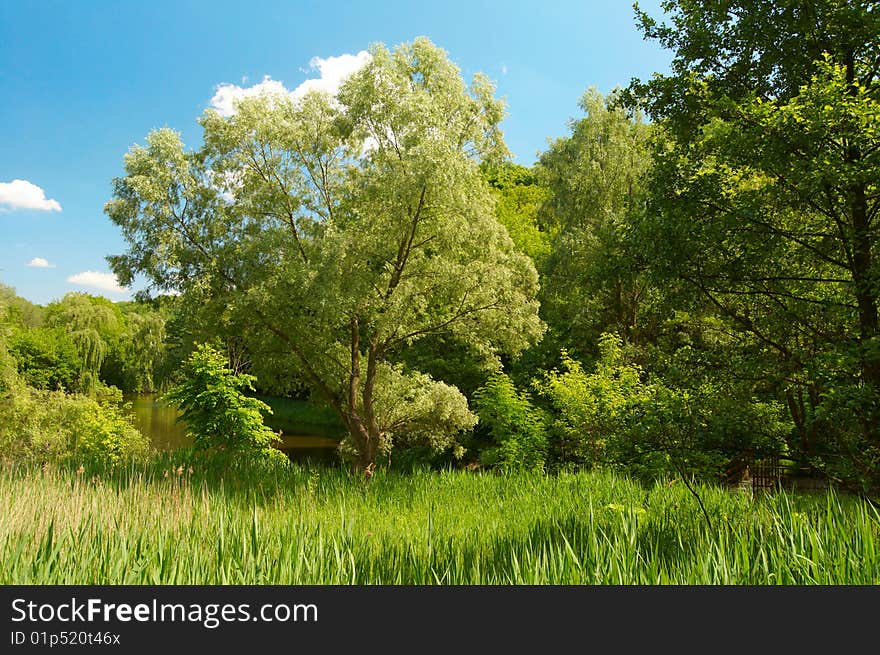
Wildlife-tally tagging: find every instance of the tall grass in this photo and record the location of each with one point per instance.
(303, 526)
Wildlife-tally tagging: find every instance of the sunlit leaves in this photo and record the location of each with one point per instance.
(304, 217)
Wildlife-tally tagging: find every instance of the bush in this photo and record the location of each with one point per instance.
(590, 408)
(514, 426)
(839, 420)
(219, 417)
(696, 431)
(47, 359)
(617, 416)
(51, 426)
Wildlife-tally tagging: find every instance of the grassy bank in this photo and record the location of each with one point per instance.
(308, 526)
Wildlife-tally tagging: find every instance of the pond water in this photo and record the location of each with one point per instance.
(159, 422)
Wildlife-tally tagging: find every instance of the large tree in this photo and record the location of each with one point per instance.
(94, 325)
(592, 282)
(765, 198)
(345, 229)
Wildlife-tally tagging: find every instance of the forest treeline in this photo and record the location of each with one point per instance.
(686, 280)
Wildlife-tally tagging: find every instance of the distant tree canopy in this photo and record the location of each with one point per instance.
(519, 196)
(92, 325)
(47, 358)
(18, 311)
(45, 414)
(595, 178)
(344, 230)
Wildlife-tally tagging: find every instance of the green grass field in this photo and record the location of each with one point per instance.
(323, 526)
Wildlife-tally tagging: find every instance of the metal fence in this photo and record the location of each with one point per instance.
(766, 474)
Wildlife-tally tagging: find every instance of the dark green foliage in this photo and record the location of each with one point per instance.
(700, 432)
(452, 361)
(294, 416)
(218, 414)
(743, 48)
(763, 203)
(47, 358)
(514, 427)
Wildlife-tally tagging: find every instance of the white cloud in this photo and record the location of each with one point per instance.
(504, 69)
(332, 72)
(21, 194)
(103, 281)
(39, 262)
(227, 184)
(226, 95)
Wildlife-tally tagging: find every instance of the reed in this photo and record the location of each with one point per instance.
(160, 523)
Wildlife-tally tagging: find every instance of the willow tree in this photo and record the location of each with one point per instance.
(344, 229)
(92, 324)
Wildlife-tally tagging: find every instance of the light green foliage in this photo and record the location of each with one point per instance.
(591, 279)
(416, 410)
(515, 427)
(341, 231)
(591, 409)
(8, 374)
(52, 426)
(218, 415)
(518, 198)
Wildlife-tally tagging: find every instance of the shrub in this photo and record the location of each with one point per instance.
(620, 417)
(514, 426)
(51, 426)
(694, 431)
(590, 408)
(218, 415)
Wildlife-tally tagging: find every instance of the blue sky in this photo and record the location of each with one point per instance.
(82, 81)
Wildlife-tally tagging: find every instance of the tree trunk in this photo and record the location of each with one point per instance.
(867, 303)
(366, 444)
(863, 279)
